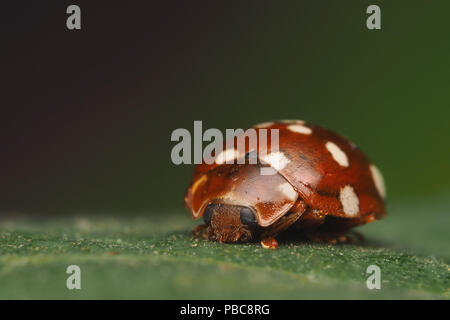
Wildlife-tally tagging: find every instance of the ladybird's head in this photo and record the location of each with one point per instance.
(230, 223)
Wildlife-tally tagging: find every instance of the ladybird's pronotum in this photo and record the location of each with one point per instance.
(323, 186)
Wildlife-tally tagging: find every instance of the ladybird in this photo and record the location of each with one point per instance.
(323, 185)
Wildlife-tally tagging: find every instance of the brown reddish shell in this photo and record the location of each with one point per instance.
(327, 171)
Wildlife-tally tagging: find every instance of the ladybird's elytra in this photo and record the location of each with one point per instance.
(323, 186)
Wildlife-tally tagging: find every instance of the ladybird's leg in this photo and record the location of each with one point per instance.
(328, 237)
(336, 230)
(311, 220)
(200, 230)
(310, 225)
(268, 240)
(269, 243)
(343, 228)
(335, 237)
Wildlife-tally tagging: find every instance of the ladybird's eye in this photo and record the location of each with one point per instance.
(207, 215)
(248, 218)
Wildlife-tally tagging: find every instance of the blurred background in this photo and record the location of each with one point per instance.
(87, 115)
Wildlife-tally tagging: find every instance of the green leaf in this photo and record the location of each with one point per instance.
(157, 258)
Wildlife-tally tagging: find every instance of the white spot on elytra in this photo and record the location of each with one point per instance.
(349, 201)
(299, 129)
(276, 160)
(337, 154)
(287, 190)
(378, 180)
(292, 121)
(264, 125)
(227, 156)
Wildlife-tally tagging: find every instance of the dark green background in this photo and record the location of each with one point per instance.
(88, 114)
